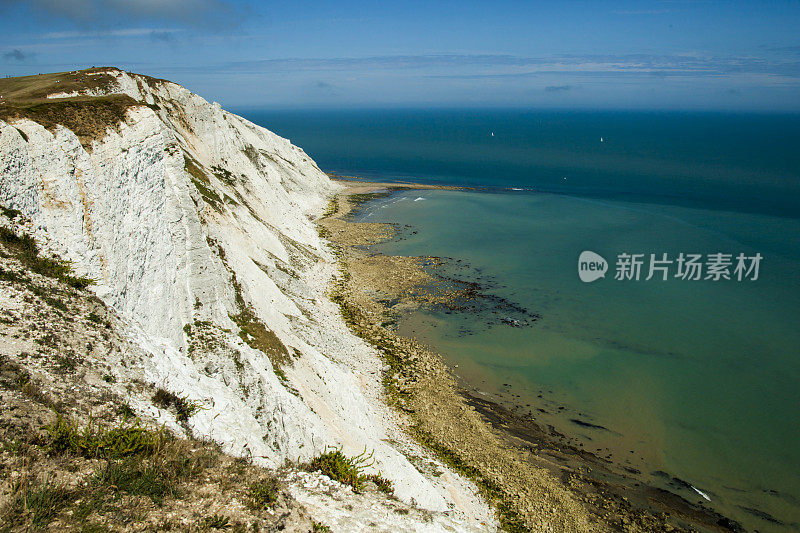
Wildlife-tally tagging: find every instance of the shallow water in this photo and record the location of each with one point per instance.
(697, 378)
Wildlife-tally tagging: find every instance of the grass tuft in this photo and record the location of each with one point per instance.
(264, 493)
(384, 485)
(253, 331)
(34, 504)
(10, 213)
(216, 522)
(202, 183)
(125, 411)
(349, 470)
(9, 275)
(184, 407)
(122, 441)
(138, 478)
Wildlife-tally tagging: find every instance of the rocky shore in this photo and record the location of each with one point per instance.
(535, 477)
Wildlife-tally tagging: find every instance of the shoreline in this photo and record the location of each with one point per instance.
(531, 475)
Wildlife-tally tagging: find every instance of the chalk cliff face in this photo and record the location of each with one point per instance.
(197, 226)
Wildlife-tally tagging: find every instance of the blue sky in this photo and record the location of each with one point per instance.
(654, 55)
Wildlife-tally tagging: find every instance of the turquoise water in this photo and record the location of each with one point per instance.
(694, 378)
(699, 378)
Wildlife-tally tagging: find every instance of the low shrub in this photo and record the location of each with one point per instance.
(7, 211)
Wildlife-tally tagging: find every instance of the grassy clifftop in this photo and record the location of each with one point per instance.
(36, 88)
(89, 113)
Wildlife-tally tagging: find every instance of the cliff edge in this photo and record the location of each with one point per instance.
(197, 230)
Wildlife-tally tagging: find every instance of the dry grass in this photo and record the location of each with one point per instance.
(155, 472)
(88, 117)
(35, 503)
(38, 86)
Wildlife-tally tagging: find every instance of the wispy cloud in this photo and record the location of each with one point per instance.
(126, 32)
(211, 14)
(163, 36)
(324, 88)
(507, 66)
(17, 55)
(558, 88)
(642, 12)
(379, 62)
(789, 49)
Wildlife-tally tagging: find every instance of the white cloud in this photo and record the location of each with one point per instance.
(127, 32)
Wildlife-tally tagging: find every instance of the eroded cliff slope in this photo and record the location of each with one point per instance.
(197, 229)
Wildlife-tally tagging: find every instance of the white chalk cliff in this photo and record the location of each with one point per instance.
(196, 223)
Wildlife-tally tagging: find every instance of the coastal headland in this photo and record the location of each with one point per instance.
(234, 278)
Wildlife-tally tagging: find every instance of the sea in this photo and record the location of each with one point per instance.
(656, 254)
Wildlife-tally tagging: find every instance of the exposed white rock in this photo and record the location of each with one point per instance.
(73, 94)
(183, 213)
